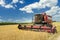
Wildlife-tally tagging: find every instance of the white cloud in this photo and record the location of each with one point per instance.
(53, 10)
(39, 5)
(28, 10)
(48, 3)
(15, 1)
(8, 6)
(3, 4)
(21, 2)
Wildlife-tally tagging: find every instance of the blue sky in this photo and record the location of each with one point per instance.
(23, 10)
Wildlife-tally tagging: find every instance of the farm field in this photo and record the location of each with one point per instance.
(11, 32)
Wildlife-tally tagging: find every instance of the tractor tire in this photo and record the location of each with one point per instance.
(54, 31)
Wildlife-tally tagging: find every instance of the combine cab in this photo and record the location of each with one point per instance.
(41, 23)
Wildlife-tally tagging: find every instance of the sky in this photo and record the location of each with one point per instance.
(23, 10)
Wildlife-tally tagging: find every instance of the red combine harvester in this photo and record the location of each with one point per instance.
(42, 22)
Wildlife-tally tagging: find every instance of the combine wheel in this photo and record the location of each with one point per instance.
(40, 28)
(54, 30)
(24, 26)
(31, 26)
(19, 26)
